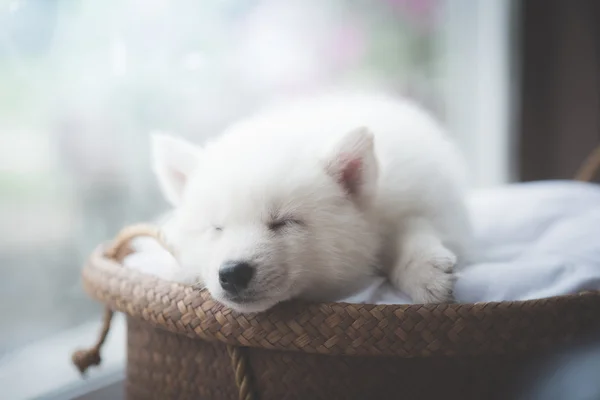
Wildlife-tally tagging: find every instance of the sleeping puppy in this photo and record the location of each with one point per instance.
(311, 198)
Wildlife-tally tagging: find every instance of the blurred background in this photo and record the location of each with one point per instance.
(84, 83)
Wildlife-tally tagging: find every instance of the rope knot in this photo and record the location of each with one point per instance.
(83, 359)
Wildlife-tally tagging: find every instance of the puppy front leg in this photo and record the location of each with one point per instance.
(424, 268)
(170, 270)
(185, 278)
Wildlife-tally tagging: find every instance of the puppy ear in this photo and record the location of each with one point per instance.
(173, 160)
(353, 165)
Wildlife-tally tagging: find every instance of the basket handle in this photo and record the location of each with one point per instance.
(590, 167)
(117, 251)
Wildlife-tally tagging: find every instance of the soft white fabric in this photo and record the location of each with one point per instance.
(533, 240)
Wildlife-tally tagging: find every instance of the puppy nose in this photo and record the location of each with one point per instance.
(235, 275)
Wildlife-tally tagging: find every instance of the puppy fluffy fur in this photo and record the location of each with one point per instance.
(318, 195)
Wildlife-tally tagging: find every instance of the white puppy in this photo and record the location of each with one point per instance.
(310, 199)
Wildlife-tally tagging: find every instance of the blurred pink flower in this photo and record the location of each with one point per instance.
(346, 45)
(421, 11)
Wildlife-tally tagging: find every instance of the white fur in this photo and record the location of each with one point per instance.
(373, 183)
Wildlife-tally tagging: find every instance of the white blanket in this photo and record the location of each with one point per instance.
(533, 240)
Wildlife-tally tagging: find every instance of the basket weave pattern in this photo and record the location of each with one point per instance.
(166, 366)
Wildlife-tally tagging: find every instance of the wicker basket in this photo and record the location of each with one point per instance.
(184, 345)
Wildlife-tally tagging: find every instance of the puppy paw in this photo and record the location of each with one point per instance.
(426, 275)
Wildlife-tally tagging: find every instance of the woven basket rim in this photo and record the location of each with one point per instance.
(406, 330)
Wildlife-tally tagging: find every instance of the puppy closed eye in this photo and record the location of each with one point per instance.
(280, 224)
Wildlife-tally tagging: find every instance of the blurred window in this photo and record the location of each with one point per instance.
(83, 83)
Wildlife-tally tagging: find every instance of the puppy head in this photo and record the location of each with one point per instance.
(259, 226)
